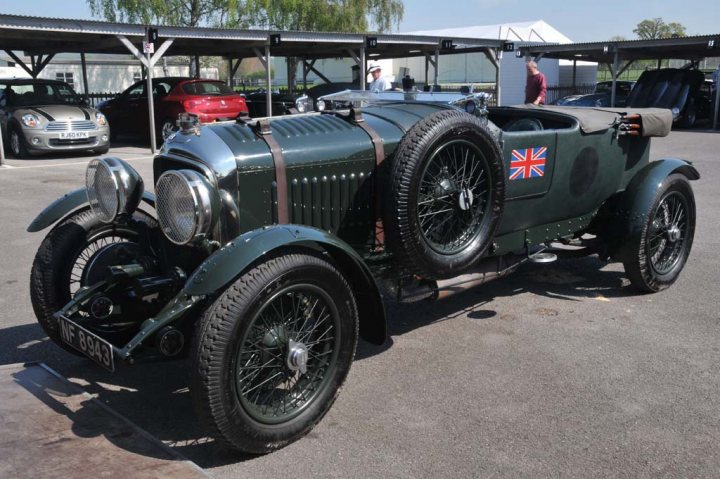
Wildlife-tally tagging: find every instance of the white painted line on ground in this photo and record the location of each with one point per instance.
(68, 164)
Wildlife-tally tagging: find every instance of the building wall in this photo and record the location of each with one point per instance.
(113, 77)
(585, 74)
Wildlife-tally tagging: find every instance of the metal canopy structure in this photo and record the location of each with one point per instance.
(41, 38)
(621, 55)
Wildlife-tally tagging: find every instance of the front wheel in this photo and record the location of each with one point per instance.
(17, 144)
(74, 254)
(655, 257)
(272, 351)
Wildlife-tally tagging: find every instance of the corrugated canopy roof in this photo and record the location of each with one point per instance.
(38, 35)
(688, 48)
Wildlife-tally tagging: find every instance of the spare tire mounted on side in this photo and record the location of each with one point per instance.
(446, 194)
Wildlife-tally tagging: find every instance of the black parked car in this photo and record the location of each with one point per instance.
(601, 96)
(284, 103)
(678, 89)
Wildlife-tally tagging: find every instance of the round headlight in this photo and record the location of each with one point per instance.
(30, 120)
(184, 205)
(100, 119)
(113, 187)
(321, 105)
(470, 107)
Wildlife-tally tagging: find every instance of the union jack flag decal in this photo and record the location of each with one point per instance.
(528, 163)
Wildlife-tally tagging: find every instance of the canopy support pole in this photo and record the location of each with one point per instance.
(265, 61)
(614, 70)
(148, 62)
(86, 89)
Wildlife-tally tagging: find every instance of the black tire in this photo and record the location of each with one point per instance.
(689, 117)
(440, 219)
(16, 141)
(233, 322)
(101, 151)
(165, 129)
(655, 256)
(56, 270)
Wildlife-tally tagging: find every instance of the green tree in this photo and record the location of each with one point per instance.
(182, 13)
(309, 15)
(353, 16)
(650, 29)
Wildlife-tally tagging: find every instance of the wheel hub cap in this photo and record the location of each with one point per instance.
(674, 233)
(297, 357)
(465, 199)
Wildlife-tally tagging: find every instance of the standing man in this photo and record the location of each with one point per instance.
(378, 83)
(535, 88)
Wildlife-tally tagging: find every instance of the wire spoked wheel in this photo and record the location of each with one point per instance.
(656, 253)
(453, 195)
(668, 232)
(271, 353)
(445, 196)
(288, 353)
(74, 254)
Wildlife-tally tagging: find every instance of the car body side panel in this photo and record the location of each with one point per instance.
(587, 170)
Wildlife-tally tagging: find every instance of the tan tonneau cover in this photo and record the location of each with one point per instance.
(654, 121)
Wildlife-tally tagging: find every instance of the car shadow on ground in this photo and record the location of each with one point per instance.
(154, 394)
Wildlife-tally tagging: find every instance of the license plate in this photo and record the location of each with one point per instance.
(90, 344)
(74, 135)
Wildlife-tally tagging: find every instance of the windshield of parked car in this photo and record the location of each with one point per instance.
(207, 88)
(622, 89)
(30, 94)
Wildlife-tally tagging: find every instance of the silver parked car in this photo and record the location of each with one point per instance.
(40, 116)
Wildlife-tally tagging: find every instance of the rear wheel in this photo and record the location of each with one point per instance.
(657, 255)
(689, 117)
(273, 350)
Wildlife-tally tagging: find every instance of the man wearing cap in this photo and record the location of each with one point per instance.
(378, 83)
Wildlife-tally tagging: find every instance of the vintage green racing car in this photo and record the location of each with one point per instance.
(269, 246)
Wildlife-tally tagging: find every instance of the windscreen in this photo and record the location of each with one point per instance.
(207, 88)
(40, 94)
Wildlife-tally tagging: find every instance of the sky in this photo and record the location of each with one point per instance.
(580, 20)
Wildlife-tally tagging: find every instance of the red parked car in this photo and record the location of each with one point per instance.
(211, 100)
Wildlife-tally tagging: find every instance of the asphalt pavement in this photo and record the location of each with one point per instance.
(558, 370)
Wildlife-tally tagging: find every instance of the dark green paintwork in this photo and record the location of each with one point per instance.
(226, 264)
(67, 203)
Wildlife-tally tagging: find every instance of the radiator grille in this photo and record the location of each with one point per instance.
(80, 125)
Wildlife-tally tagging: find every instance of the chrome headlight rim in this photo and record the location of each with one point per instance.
(199, 191)
(30, 120)
(301, 104)
(122, 188)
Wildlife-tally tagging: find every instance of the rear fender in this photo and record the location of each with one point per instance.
(229, 262)
(61, 207)
(632, 206)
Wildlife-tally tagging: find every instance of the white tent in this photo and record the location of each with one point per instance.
(476, 68)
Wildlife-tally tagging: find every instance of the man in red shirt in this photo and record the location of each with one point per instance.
(535, 88)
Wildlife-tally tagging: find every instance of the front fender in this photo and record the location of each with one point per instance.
(230, 261)
(67, 203)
